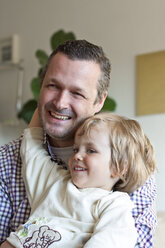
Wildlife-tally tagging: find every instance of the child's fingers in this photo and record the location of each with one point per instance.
(35, 121)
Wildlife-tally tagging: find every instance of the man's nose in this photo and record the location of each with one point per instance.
(62, 100)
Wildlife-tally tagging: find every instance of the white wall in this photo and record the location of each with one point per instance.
(123, 28)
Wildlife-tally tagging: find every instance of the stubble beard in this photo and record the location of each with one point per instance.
(66, 134)
(62, 135)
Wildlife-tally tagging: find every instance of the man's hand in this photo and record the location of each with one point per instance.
(6, 244)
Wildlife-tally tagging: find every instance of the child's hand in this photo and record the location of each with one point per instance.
(35, 121)
(6, 244)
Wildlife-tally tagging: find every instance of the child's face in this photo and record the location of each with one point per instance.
(90, 163)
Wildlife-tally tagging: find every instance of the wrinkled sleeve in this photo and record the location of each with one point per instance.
(115, 226)
(38, 170)
(144, 213)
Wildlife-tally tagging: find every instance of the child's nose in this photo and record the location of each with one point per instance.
(78, 156)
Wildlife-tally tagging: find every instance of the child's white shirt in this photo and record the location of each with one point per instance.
(63, 215)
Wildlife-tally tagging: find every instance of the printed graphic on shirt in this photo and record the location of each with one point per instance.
(39, 221)
(36, 233)
(42, 238)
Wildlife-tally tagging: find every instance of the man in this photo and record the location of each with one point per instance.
(74, 86)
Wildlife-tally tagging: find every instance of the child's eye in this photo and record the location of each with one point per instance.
(91, 151)
(75, 150)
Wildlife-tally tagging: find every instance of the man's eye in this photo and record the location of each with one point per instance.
(77, 94)
(52, 85)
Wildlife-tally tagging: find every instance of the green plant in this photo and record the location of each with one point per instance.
(55, 40)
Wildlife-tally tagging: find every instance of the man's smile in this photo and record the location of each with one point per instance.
(59, 117)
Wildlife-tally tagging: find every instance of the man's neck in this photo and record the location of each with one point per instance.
(60, 143)
(63, 153)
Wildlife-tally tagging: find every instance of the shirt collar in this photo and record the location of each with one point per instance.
(47, 146)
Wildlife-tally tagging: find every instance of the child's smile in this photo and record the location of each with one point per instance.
(90, 162)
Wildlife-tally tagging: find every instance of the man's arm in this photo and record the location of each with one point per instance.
(144, 213)
(5, 210)
(10, 187)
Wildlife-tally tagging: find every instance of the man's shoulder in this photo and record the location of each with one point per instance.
(148, 190)
(10, 156)
(12, 146)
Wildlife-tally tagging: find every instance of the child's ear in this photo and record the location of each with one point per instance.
(124, 168)
(122, 171)
(114, 174)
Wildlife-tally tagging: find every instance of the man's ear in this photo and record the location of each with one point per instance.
(100, 104)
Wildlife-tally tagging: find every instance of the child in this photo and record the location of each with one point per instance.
(85, 206)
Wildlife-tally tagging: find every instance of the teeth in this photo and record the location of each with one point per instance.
(60, 117)
(79, 169)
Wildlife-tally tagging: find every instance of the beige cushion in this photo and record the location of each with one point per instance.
(159, 241)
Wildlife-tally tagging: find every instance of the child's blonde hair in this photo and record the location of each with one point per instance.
(132, 155)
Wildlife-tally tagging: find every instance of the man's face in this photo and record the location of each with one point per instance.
(67, 97)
